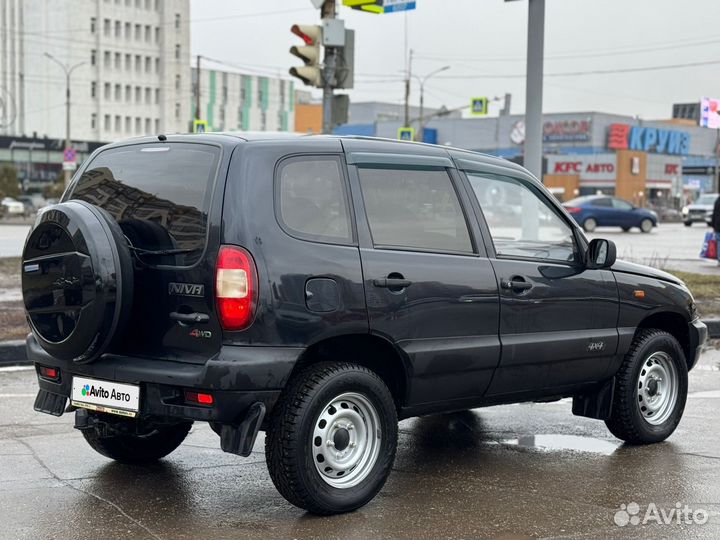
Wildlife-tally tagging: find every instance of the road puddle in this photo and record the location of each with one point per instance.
(561, 443)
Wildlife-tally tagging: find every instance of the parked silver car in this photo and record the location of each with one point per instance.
(700, 210)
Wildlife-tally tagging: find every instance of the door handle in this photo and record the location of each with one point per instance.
(190, 318)
(516, 284)
(392, 283)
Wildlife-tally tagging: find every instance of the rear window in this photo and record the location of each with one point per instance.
(158, 193)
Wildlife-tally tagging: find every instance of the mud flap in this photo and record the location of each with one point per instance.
(596, 403)
(239, 439)
(49, 403)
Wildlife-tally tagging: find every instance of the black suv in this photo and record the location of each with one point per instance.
(321, 288)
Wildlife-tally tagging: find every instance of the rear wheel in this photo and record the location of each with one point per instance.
(650, 389)
(156, 443)
(687, 223)
(332, 438)
(646, 225)
(589, 224)
(626, 229)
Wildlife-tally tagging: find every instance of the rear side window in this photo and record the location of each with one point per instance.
(414, 209)
(158, 193)
(602, 202)
(312, 199)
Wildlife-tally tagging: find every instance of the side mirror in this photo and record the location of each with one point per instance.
(601, 253)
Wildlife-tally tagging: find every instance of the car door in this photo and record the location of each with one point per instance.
(430, 288)
(557, 319)
(602, 210)
(624, 213)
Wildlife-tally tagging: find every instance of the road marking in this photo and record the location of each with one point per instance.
(16, 368)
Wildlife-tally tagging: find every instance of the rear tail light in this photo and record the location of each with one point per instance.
(572, 209)
(198, 398)
(50, 373)
(235, 288)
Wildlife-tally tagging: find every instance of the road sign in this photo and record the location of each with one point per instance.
(406, 134)
(479, 106)
(70, 155)
(200, 126)
(381, 6)
(69, 166)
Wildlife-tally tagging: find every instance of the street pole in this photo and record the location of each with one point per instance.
(534, 87)
(408, 76)
(328, 12)
(197, 88)
(68, 72)
(422, 81)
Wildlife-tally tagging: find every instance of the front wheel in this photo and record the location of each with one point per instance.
(650, 389)
(646, 225)
(332, 437)
(687, 223)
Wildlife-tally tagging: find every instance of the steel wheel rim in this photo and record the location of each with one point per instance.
(590, 224)
(657, 388)
(345, 442)
(646, 225)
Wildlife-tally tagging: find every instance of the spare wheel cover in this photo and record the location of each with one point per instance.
(77, 280)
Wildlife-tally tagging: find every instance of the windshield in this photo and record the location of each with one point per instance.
(706, 199)
(159, 194)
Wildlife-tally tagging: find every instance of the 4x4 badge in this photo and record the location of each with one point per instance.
(186, 289)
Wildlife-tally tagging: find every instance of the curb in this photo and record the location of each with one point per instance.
(12, 353)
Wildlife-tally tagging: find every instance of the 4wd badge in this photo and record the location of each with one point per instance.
(186, 289)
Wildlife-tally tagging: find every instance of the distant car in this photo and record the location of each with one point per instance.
(13, 207)
(29, 204)
(700, 210)
(595, 211)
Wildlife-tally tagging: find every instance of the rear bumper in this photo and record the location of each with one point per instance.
(698, 334)
(237, 378)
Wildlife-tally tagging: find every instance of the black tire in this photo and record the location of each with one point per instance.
(590, 224)
(646, 225)
(626, 229)
(289, 449)
(687, 223)
(136, 449)
(626, 421)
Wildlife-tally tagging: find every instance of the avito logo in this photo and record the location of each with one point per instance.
(100, 392)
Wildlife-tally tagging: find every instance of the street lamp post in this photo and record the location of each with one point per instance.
(422, 81)
(68, 72)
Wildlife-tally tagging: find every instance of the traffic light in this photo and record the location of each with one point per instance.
(310, 73)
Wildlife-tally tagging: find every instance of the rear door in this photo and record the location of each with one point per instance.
(557, 319)
(624, 213)
(429, 286)
(163, 194)
(603, 211)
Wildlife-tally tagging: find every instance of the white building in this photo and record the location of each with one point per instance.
(133, 77)
(232, 101)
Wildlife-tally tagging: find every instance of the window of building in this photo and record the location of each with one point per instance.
(118, 60)
(128, 30)
(93, 121)
(242, 91)
(93, 25)
(148, 4)
(118, 92)
(148, 95)
(157, 34)
(128, 62)
(106, 59)
(312, 201)
(106, 27)
(177, 82)
(138, 32)
(157, 65)
(93, 89)
(148, 64)
(240, 118)
(260, 93)
(522, 223)
(138, 63)
(177, 51)
(138, 4)
(177, 21)
(106, 90)
(263, 120)
(157, 125)
(138, 125)
(177, 112)
(128, 93)
(118, 29)
(414, 209)
(148, 126)
(280, 117)
(93, 57)
(138, 94)
(106, 123)
(118, 122)
(128, 124)
(157, 95)
(148, 33)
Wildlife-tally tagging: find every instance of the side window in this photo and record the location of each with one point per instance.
(312, 199)
(521, 223)
(605, 203)
(619, 204)
(414, 209)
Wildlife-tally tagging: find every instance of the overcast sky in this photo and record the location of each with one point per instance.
(484, 43)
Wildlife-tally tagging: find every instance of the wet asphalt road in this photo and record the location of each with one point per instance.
(518, 471)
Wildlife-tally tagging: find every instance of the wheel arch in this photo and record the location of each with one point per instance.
(674, 324)
(371, 351)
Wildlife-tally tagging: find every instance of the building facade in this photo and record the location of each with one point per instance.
(231, 101)
(132, 75)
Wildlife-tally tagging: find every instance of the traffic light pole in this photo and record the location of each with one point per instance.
(328, 12)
